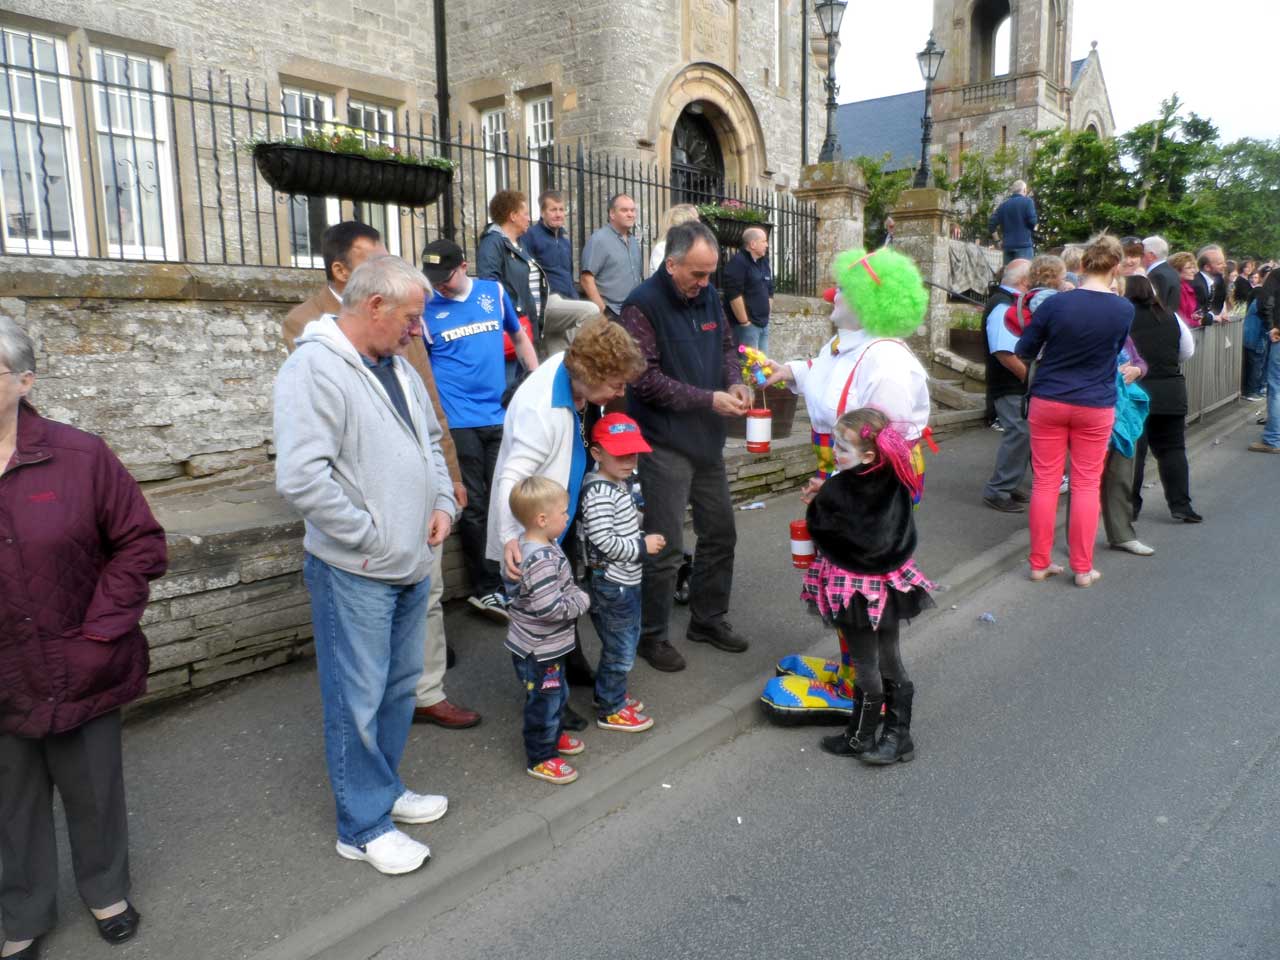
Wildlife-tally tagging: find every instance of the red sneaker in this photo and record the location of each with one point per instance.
(554, 770)
(570, 746)
(627, 720)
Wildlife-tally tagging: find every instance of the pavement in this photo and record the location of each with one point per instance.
(231, 814)
(1096, 776)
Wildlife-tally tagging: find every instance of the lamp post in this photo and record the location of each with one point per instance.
(830, 13)
(930, 59)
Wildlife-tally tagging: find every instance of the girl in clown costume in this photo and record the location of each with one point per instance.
(878, 300)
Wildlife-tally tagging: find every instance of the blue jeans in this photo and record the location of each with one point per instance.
(1018, 253)
(751, 336)
(369, 653)
(546, 691)
(615, 613)
(1271, 432)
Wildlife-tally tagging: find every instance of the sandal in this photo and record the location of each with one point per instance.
(1088, 579)
(1052, 570)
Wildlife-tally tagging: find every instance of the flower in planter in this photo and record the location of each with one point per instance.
(731, 210)
(350, 141)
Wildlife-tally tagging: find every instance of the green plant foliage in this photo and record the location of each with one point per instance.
(731, 210)
(883, 189)
(339, 138)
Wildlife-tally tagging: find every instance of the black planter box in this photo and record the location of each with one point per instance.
(729, 232)
(317, 173)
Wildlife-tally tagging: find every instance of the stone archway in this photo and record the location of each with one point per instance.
(720, 100)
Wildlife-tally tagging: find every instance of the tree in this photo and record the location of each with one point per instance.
(982, 182)
(883, 189)
(1243, 197)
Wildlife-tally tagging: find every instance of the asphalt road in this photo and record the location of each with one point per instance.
(1097, 775)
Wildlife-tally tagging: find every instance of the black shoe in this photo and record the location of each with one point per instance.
(571, 719)
(1187, 516)
(661, 656)
(1004, 504)
(577, 670)
(1020, 496)
(450, 658)
(719, 635)
(860, 735)
(895, 745)
(121, 927)
(30, 952)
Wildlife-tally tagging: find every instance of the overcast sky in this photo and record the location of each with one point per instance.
(1148, 51)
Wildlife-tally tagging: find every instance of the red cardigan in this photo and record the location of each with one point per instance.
(78, 544)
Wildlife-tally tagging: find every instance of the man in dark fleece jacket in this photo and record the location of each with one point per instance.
(1016, 218)
(692, 379)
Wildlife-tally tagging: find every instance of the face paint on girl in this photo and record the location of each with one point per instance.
(847, 453)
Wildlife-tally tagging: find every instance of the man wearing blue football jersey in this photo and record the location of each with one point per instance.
(463, 325)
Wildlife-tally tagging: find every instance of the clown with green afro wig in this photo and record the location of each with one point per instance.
(883, 290)
(878, 300)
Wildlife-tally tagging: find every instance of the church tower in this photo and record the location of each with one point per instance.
(1007, 69)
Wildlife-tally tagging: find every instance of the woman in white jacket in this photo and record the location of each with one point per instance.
(544, 431)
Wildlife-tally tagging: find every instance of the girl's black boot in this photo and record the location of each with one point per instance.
(860, 735)
(895, 745)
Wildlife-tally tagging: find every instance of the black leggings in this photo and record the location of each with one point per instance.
(874, 654)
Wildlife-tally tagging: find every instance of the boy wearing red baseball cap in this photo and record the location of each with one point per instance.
(615, 548)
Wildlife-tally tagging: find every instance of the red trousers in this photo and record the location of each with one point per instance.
(1055, 429)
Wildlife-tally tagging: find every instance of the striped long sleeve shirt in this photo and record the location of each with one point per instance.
(611, 529)
(546, 603)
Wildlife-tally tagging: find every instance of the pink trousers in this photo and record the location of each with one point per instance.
(1055, 429)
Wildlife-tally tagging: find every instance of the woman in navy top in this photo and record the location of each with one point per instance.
(1078, 336)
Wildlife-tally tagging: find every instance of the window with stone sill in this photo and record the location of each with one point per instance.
(135, 167)
(306, 111)
(378, 126)
(41, 204)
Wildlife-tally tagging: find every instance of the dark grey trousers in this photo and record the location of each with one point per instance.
(85, 766)
(670, 482)
(1117, 498)
(1014, 455)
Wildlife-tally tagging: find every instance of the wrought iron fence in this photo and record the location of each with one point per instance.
(123, 158)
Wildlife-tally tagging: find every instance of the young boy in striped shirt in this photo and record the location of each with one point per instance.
(615, 548)
(544, 606)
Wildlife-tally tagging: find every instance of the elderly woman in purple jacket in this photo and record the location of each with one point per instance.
(78, 545)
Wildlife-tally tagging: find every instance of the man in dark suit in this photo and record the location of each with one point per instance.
(345, 246)
(1016, 218)
(1210, 285)
(1164, 279)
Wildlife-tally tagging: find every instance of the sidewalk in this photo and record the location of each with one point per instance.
(230, 810)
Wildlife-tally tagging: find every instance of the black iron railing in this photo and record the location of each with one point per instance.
(122, 158)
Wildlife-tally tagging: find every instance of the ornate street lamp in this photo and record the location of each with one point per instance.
(830, 13)
(930, 59)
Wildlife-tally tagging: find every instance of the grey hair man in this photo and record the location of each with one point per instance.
(691, 381)
(1015, 218)
(612, 265)
(1006, 383)
(748, 290)
(358, 456)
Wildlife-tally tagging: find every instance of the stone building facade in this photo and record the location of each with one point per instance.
(982, 103)
(1006, 69)
(714, 84)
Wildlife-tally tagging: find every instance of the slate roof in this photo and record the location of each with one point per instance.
(869, 128)
(1076, 67)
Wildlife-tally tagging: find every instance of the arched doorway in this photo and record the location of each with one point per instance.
(697, 162)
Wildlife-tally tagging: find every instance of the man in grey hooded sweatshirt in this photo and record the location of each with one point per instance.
(358, 455)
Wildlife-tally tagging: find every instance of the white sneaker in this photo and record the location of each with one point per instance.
(492, 605)
(392, 853)
(413, 807)
(1136, 547)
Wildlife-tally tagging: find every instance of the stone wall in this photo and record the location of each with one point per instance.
(171, 364)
